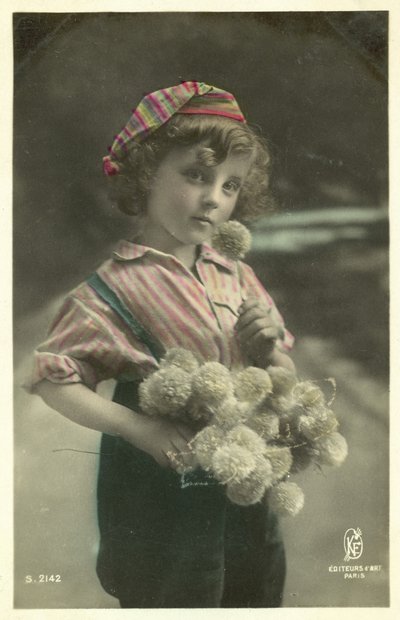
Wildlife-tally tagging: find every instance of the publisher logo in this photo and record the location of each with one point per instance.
(353, 544)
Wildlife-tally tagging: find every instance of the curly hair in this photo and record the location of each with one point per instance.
(220, 136)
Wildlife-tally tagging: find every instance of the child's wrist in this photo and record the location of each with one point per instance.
(136, 429)
(126, 424)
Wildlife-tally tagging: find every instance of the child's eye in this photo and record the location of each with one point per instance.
(232, 186)
(194, 174)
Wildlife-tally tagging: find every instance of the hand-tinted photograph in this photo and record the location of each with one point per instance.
(201, 310)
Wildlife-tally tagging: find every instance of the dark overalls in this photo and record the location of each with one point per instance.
(168, 541)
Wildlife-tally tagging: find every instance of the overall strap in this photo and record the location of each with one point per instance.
(108, 295)
(124, 393)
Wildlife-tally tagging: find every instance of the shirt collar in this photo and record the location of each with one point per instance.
(127, 251)
(208, 253)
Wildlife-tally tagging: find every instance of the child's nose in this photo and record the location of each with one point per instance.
(211, 197)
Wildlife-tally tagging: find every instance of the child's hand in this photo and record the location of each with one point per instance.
(161, 438)
(257, 331)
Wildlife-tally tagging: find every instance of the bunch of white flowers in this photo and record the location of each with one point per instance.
(254, 427)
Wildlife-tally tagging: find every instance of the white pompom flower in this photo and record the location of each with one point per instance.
(309, 395)
(232, 463)
(318, 423)
(211, 383)
(283, 380)
(330, 450)
(230, 412)
(232, 239)
(182, 358)
(197, 412)
(252, 384)
(245, 493)
(281, 404)
(148, 401)
(165, 392)
(246, 437)
(266, 424)
(286, 499)
(281, 460)
(205, 443)
(252, 489)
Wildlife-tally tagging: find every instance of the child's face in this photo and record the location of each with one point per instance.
(189, 200)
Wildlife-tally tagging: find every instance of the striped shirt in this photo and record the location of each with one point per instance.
(88, 342)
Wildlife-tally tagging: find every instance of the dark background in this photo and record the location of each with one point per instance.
(317, 85)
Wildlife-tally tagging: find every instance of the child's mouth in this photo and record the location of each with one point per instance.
(203, 220)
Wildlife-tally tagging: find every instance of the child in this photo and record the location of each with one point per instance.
(186, 162)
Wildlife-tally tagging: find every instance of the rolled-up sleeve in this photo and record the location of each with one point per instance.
(254, 288)
(88, 343)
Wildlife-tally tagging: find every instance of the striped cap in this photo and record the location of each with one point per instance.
(158, 107)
